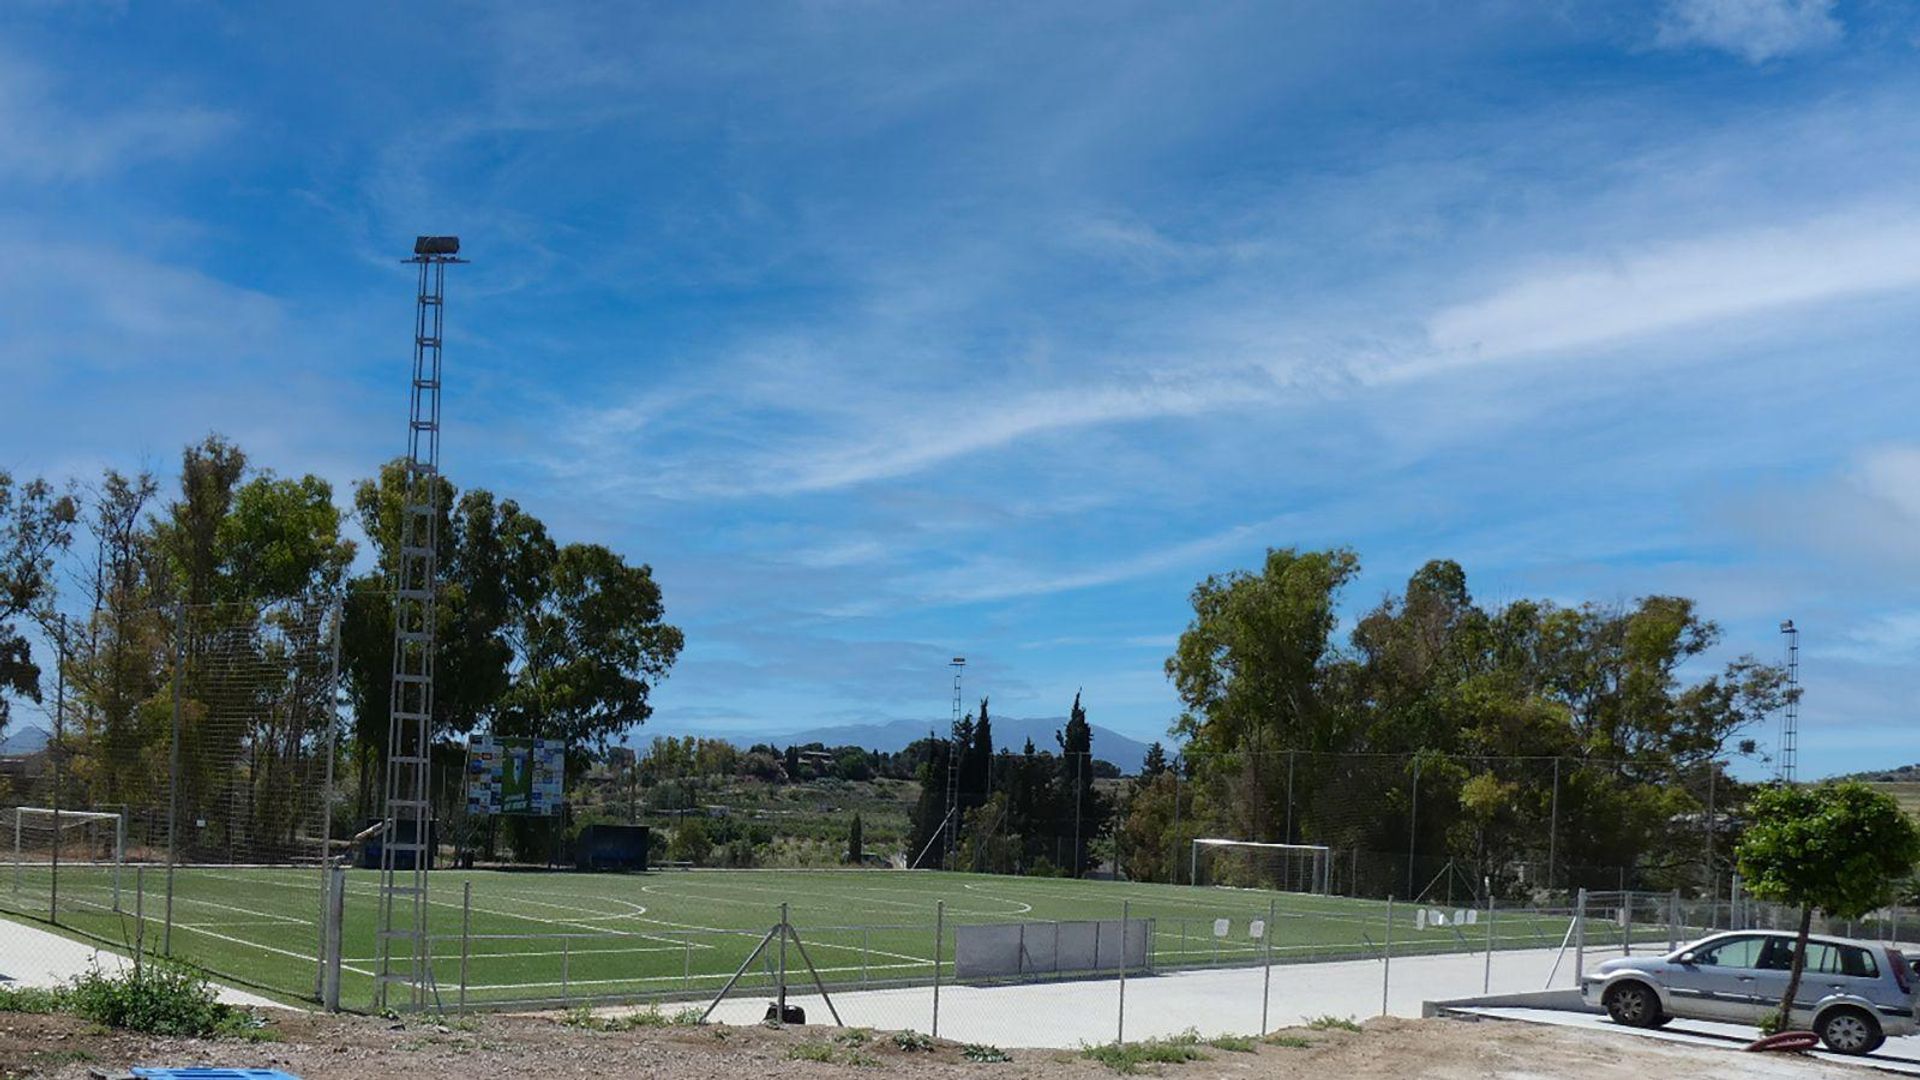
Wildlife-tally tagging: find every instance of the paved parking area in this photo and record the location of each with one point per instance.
(1901, 1055)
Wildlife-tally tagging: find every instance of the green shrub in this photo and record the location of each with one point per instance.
(1333, 1023)
(163, 999)
(1128, 1057)
(1291, 1042)
(1239, 1044)
(984, 1053)
(912, 1041)
(811, 1051)
(32, 999)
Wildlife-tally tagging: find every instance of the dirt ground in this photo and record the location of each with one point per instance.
(316, 1047)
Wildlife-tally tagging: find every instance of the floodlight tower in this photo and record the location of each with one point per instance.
(406, 843)
(1789, 763)
(958, 664)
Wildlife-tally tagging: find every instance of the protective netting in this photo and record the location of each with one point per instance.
(182, 746)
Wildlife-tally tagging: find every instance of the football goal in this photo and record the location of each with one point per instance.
(82, 839)
(1250, 864)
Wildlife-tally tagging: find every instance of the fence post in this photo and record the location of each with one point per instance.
(866, 951)
(1626, 923)
(1386, 956)
(466, 931)
(782, 988)
(336, 923)
(139, 918)
(566, 969)
(1579, 936)
(1673, 920)
(1553, 824)
(1486, 977)
(173, 773)
(686, 970)
(56, 751)
(1120, 1031)
(1413, 828)
(1266, 973)
(939, 932)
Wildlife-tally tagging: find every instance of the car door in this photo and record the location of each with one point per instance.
(1769, 983)
(1718, 982)
(1841, 969)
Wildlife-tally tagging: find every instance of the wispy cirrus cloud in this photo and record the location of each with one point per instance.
(1756, 30)
(44, 138)
(1674, 285)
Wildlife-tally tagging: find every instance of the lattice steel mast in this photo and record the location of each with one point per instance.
(405, 846)
(953, 766)
(1789, 765)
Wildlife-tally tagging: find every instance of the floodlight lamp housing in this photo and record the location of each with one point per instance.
(1787, 627)
(436, 245)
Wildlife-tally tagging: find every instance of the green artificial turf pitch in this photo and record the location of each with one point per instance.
(533, 936)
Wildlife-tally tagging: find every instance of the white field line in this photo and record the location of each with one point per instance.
(473, 987)
(444, 957)
(1025, 908)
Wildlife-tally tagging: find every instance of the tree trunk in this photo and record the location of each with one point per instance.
(1785, 1022)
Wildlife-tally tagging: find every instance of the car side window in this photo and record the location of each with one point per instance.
(1850, 961)
(1741, 952)
(1778, 955)
(1822, 959)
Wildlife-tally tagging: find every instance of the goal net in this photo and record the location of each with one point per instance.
(87, 846)
(1250, 864)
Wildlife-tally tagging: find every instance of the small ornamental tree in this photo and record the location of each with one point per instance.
(855, 841)
(1841, 847)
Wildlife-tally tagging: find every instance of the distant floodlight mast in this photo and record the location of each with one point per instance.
(1788, 767)
(406, 843)
(954, 751)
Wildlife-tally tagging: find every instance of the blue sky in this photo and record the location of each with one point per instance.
(890, 332)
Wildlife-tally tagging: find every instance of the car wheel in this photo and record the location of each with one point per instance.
(1632, 1004)
(1850, 1031)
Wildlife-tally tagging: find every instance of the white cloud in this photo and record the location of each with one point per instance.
(44, 140)
(1757, 30)
(1002, 579)
(1673, 286)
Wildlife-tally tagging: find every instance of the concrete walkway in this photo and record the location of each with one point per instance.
(30, 956)
(1225, 1001)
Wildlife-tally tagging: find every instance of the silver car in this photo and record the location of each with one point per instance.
(1853, 994)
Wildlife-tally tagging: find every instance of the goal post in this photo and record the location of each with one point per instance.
(1304, 868)
(42, 834)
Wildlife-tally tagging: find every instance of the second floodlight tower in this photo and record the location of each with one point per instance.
(958, 664)
(406, 843)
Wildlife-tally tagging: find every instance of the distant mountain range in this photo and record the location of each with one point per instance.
(1009, 733)
(24, 740)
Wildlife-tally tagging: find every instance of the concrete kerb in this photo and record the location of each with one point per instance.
(1563, 1000)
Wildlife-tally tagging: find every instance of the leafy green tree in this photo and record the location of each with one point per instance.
(1843, 848)
(1145, 834)
(590, 651)
(929, 815)
(1084, 813)
(35, 522)
(1155, 762)
(117, 664)
(855, 841)
(691, 842)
